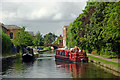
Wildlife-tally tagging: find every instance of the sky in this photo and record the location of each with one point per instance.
(41, 15)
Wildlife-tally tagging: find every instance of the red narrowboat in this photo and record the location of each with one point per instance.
(74, 55)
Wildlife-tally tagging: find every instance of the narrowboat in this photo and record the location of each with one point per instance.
(28, 55)
(73, 55)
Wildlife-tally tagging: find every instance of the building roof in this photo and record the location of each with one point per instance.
(12, 27)
(2, 26)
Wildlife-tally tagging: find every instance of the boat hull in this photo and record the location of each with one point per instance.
(27, 58)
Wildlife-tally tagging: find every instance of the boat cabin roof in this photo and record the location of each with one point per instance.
(62, 49)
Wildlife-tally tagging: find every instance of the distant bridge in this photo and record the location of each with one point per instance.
(54, 45)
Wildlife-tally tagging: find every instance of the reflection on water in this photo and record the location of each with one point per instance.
(45, 66)
(75, 69)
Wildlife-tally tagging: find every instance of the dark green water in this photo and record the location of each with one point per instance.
(45, 66)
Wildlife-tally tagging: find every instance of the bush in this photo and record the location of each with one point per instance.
(6, 42)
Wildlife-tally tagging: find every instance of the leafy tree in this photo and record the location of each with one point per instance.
(103, 28)
(97, 29)
(38, 40)
(70, 40)
(23, 38)
(57, 41)
(111, 29)
(49, 38)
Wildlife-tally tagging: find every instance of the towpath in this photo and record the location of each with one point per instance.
(113, 60)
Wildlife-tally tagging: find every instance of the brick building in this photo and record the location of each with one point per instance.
(64, 35)
(11, 30)
(61, 41)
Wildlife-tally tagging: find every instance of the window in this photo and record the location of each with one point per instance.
(67, 54)
(11, 35)
(63, 53)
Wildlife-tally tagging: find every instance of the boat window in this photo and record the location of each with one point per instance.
(63, 53)
(67, 54)
(56, 52)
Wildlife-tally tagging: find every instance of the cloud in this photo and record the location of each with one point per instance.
(41, 11)
(57, 16)
(41, 16)
(44, 0)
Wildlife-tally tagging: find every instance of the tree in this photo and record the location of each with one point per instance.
(57, 41)
(23, 38)
(38, 40)
(49, 38)
(70, 40)
(97, 28)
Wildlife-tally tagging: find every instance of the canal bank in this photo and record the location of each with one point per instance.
(111, 65)
(6, 61)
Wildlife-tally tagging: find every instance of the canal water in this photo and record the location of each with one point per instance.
(45, 66)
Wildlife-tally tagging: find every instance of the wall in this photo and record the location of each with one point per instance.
(14, 31)
(61, 41)
(64, 35)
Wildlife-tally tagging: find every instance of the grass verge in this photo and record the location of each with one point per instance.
(105, 61)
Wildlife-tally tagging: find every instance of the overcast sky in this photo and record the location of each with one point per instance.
(41, 15)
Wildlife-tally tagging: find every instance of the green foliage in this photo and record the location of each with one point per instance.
(47, 48)
(23, 38)
(97, 28)
(38, 40)
(18, 56)
(6, 42)
(70, 41)
(49, 38)
(57, 41)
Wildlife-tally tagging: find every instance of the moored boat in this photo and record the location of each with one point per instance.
(28, 55)
(73, 55)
